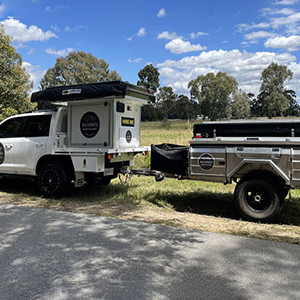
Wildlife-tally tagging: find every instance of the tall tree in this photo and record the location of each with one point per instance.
(214, 94)
(149, 77)
(294, 108)
(165, 100)
(78, 67)
(273, 98)
(15, 83)
(240, 106)
(185, 108)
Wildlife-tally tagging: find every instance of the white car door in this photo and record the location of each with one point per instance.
(10, 131)
(32, 144)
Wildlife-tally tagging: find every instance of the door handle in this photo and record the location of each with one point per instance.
(8, 147)
(39, 145)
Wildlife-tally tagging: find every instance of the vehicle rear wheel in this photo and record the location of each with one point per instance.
(257, 199)
(54, 180)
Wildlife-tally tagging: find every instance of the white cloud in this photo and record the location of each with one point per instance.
(246, 67)
(136, 60)
(291, 43)
(286, 2)
(285, 21)
(161, 13)
(141, 32)
(21, 33)
(283, 11)
(179, 46)
(168, 35)
(255, 35)
(288, 22)
(194, 35)
(55, 28)
(2, 8)
(30, 51)
(75, 28)
(62, 52)
(52, 9)
(246, 27)
(35, 72)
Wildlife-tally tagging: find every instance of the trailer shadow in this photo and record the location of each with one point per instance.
(199, 202)
(220, 205)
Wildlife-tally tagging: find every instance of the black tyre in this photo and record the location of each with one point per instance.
(54, 180)
(257, 199)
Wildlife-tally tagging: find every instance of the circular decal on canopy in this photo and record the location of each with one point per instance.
(206, 161)
(128, 136)
(2, 153)
(89, 124)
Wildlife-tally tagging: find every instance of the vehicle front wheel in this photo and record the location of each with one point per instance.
(54, 180)
(257, 199)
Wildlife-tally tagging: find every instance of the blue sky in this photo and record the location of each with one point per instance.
(183, 39)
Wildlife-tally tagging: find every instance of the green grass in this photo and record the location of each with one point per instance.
(177, 132)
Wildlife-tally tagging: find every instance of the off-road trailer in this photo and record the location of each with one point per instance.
(262, 157)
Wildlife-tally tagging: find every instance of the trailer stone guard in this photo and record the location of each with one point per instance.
(92, 133)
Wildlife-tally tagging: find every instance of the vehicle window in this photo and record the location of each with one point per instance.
(37, 126)
(11, 128)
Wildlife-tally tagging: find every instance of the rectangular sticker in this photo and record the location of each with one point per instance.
(128, 122)
(71, 92)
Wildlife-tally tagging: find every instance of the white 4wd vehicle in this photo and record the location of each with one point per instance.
(92, 133)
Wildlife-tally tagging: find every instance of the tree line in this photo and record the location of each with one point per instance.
(217, 96)
(212, 96)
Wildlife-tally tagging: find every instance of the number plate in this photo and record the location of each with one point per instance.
(109, 172)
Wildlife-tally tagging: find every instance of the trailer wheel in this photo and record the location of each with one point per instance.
(54, 180)
(257, 199)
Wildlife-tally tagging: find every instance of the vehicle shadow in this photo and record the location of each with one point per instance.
(19, 185)
(27, 186)
(199, 202)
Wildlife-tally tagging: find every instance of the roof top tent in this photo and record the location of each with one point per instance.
(253, 128)
(119, 89)
(103, 115)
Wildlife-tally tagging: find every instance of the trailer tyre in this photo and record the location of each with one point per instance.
(257, 199)
(54, 180)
